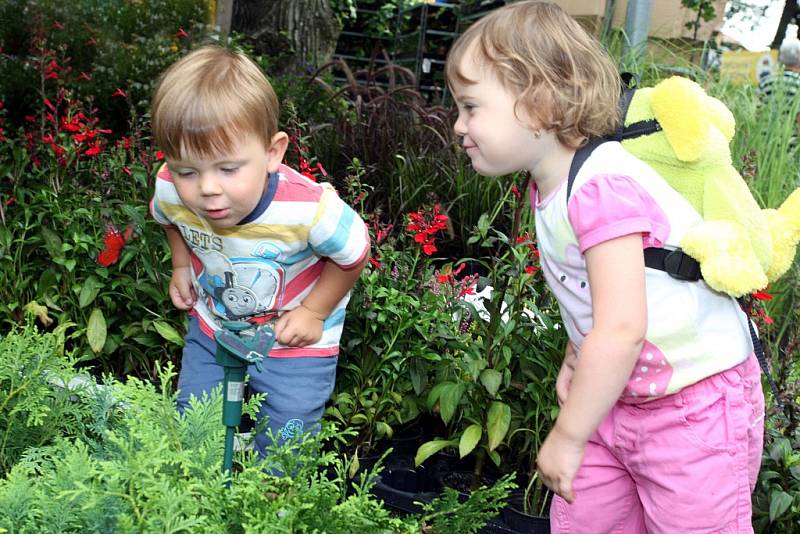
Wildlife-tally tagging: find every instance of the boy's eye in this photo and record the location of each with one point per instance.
(184, 173)
(229, 170)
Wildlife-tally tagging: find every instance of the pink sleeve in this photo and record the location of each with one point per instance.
(610, 206)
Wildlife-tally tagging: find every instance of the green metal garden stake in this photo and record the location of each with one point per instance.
(235, 351)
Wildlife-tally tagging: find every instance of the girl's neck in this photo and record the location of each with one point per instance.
(551, 171)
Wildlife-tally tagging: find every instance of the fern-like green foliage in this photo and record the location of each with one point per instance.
(32, 411)
(132, 463)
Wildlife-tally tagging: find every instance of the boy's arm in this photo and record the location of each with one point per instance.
(606, 357)
(181, 289)
(333, 284)
(303, 325)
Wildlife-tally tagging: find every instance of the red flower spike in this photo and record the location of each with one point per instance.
(119, 92)
(113, 243)
(181, 34)
(761, 295)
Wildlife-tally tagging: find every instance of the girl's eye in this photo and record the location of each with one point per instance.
(185, 174)
(230, 170)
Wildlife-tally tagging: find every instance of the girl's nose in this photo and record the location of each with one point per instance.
(460, 127)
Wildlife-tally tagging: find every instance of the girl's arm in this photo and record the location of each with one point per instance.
(606, 357)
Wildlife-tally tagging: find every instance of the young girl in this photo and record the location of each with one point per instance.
(661, 419)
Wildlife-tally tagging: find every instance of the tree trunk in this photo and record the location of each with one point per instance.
(787, 17)
(297, 33)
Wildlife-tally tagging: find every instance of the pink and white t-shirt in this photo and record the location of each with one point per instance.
(271, 260)
(692, 331)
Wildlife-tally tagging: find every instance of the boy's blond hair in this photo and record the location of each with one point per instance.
(560, 73)
(209, 100)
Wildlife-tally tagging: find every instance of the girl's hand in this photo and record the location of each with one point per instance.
(558, 462)
(565, 373)
(299, 327)
(181, 289)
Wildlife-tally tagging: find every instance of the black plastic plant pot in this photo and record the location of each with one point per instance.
(401, 488)
(516, 519)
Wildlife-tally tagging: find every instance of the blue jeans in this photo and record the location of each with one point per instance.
(296, 388)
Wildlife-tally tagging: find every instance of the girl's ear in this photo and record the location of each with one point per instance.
(276, 150)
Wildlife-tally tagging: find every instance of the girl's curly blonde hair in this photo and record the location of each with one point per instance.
(561, 75)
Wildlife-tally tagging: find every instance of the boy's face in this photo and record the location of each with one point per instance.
(495, 139)
(225, 189)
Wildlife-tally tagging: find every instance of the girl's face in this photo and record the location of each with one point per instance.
(495, 139)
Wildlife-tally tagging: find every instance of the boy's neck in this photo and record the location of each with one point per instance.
(550, 172)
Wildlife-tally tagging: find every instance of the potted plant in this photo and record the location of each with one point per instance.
(497, 381)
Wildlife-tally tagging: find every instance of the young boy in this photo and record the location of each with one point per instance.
(251, 239)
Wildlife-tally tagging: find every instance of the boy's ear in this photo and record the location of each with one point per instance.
(276, 150)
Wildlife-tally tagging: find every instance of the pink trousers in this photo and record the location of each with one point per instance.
(685, 463)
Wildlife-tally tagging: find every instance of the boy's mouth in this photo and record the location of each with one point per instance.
(218, 214)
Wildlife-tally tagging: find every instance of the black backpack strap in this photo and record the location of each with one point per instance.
(580, 157)
(674, 262)
(761, 356)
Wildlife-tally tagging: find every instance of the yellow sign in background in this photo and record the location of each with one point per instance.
(742, 67)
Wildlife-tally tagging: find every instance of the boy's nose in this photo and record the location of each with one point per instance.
(209, 184)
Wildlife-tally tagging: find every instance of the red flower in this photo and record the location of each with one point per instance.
(425, 225)
(126, 170)
(113, 243)
(84, 77)
(181, 34)
(531, 269)
(429, 248)
(515, 192)
(119, 93)
(57, 25)
(159, 155)
(93, 150)
(761, 295)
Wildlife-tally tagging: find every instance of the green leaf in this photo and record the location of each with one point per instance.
(383, 430)
(89, 290)
(497, 421)
(426, 450)
(168, 332)
(469, 439)
(96, 330)
(779, 502)
(495, 457)
(449, 399)
(52, 242)
(491, 379)
(434, 394)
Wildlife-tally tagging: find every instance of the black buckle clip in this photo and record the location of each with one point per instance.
(681, 266)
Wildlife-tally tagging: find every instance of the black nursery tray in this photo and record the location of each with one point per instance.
(402, 488)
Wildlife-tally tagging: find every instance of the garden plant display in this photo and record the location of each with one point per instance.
(451, 341)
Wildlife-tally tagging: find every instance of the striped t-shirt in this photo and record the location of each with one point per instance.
(786, 83)
(270, 261)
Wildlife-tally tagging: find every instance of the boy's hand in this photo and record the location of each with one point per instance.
(565, 373)
(181, 289)
(299, 327)
(558, 462)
